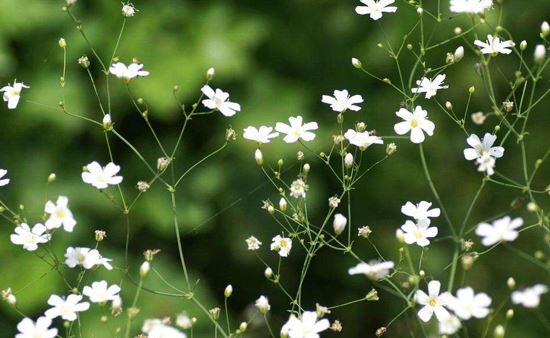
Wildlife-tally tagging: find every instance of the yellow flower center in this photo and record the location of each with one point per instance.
(414, 123)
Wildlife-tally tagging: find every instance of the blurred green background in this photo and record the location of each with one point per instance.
(276, 58)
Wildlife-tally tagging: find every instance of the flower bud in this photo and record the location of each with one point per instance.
(399, 235)
(268, 272)
(183, 321)
(51, 177)
(391, 148)
(448, 105)
(84, 61)
(339, 223)
(472, 89)
(348, 160)
(242, 327)
(523, 45)
(282, 204)
(499, 331)
(511, 282)
(228, 291)
(62, 43)
(210, 73)
(478, 118)
(162, 163)
(306, 168)
(259, 157)
(458, 54)
(144, 269)
(545, 28)
(107, 122)
(509, 314)
(128, 10)
(540, 53)
(420, 11)
(356, 63)
(458, 30)
(262, 304)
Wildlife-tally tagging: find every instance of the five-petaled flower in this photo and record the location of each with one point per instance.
(418, 233)
(281, 245)
(298, 188)
(127, 73)
(467, 304)
(362, 139)
(529, 297)
(342, 101)
(101, 177)
(420, 211)
(494, 46)
(66, 308)
(307, 326)
(297, 130)
(60, 215)
(219, 100)
(261, 135)
(376, 8)
(40, 329)
(253, 243)
(430, 87)
(470, 6)
(101, 292)
(433, 302)
(374, 270)
(86, 257)
(416, 123)
(30, 238)
(12, 93)
(502, 229)
(482, 147)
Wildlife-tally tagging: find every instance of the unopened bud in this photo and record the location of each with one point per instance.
(107, 122)
(348, 160)
(356, 63)
(306, 168)
(268, 273)
(399, 235)
(499, 331)
(51, 177)
(391, 149)
(545, 29)
(144, 269)
(448, 105)
(259, 157)
(458, 54)
(511, 282)
(472, 89)
(339, 223)
(282, 204)
(62, 43)
(510, 314)
(228, 291)
(210, 73)
(540, 53)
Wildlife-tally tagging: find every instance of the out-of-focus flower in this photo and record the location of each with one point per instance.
(502, 229)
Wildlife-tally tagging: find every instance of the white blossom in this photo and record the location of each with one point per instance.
(470, 6)
(66, 308)
(253, 243)
(86, 257)
(418, 233)
(101, 292)
(12, 93)
(502, 229)
(262, 304)
(486, 163)
(155, 328)
(30, 238)
(128, 9)
(306, 327)
(298, 188)
(375, 8)
(281, 245)
(127, 73)
(60, 215)
(374, 270)
(433, 302)
(262, 135)
(430, 87)
(219, 100)
(467, 304)
(3, 181)
(362, 139)
(482, 147)
(450, 325)
(494, 46)
(27, 328)
(101, 177)
(296, 130)
(420, 210)
(529, 297)
(342, 101)
(416, 123)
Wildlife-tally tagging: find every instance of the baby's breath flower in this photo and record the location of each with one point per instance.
(184, 321)
(529, 297)
(495, 46)
(540, 53)
(260, 135)
(342, 101)
(508, 105)
(339, 223)
(449, 326)
(128, 9)
(430, 87)
(420, 210)
(297, 130)
(307, 326)
(375, 8)
(101, 292)
(478, 118)
(142, 186)
(336, 326)
(30, 238)
(470, 6)
(39, 329)
(8, 296)
(433, 302)
(391, 149)
(84, 61)
(85, 257)
(416, 123)
(364, 231)
(60, 215)
(362, 139)
(418, 233)
(162, 163)
(467, 304)
(281, 245)
(215, 312)
(458, 54)
(100, 235)
(374, 270)
(333, 202)
(127, 73)
(66, 308)
(12, 93)
(219, 100)
(503, 229)
(298, 188)
(262, 304)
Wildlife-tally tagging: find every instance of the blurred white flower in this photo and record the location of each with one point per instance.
(375, 8)
(85, 257)
(156, 328)
(486, 163)
(482, 147)
(449, 326)
(219, 100)
(418, 233)
(298, 188)
(30, 238)
(416, 123)
(420, 211)
(66, 308)
(494, 46)
(306, 327)
(433, 302)
(101, 292)
(127, 73)
(39, 329)
(128, 9)
(281, 245)
(529, 297)
(3, 181)
(183, 321)
(296, 130)
(374, 270)
(430, 87)
(253, 243)
(60, 215)
(342, 101)
(339, 223)
(261, 135)
(540, 53)
(467, 304)
(12, 93)
(362, 139)
(262, 304)
(470, 6)
(502, 229)
(101, 177)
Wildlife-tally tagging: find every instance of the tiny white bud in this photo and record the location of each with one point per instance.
(457, 30)
(268, 273)
(511, 282)
(420, 10)
(128, 10)
(339, 223)
(499, 331)
(107, 122)
(545, 28)
(307, 167)
(210, 73)
(262, 304)
(243, 326)
(144, 269)
(62, 43)
(448, 105)
(399, 235)
(356, 63)
(458, 54)
(51, 177)
(183, 321)
(523, 45)
(509, 314)
(259, 157)
(348, 160)
(228, 291)
(282, 204)
(540, 53)
(478, 118)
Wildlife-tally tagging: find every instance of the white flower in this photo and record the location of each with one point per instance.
(420, 211)
(503, 229)
(66, 308)
(253, 243)
(261, 135)
(430, 87)
(342, 101)
(59, 214)
(494, 46)
(305, 327)
(121, 71)
(12, 94)
(449, 326)
(296, 130)
(100, 292)
(362, 139)
(183, 321)
(486, 163)
(39, 329)
(155, 328)
(219, 100)
(298, 188)
(128, 9)
(433, 302)
(374, 270)
(375, 8)
(467, 304)
(4, 181)
(339, 223)
(418, 233)
(540, 53)
(30, 238)
(85, 257)
(415, 123)
(482, 147)
(281, 245)
(470, 6)
(262, 304)
(529, 297)
(101, 177)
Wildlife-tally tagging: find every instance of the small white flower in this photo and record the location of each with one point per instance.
(101, 177)
(375, 8)
(420, 211)
(467, 304)
(12, 93)
(529, 297)
(494, 46)
(100, 292)
(342, 101)
(418, 233)
(296, 130)
(219, 100)
(339, 223)
(262, 135)
(60, 215)
(362, 139)
(155, 328)
(433, 302)
(470, 6)
(281, 245)
(183, 321)
(85, 257)
(486, 163)
(298, 188)
(430, 87)
(4, 181)
(374, 270)
(39, 329)
(30, 238)
(449, 326)
(262, 304)
(127, 73)
(253, 243)
(482, 147)
(66, 308)
(415, 123)
(128, 9)
(306, 327)
(503, 229)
